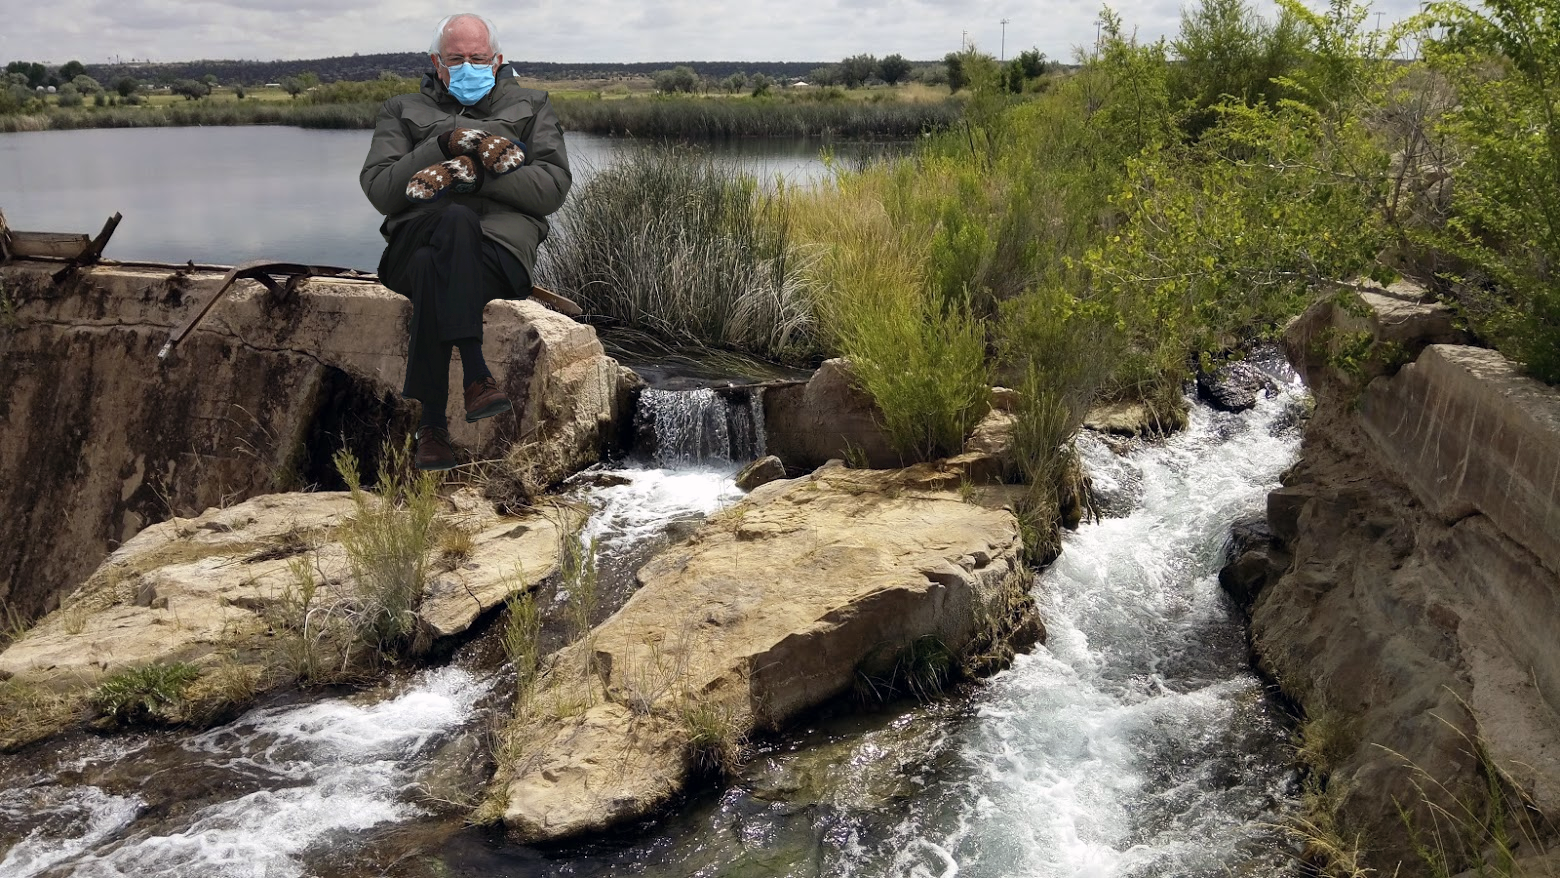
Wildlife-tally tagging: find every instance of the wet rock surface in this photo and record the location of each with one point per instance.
(787, 599)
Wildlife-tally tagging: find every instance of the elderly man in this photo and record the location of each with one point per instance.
(465, 173)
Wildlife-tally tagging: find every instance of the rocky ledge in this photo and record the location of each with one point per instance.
(810, 589)
(1407, 593)
(100, 438)
(225, 592)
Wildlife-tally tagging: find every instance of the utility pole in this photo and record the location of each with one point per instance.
(1378, 22)
(1097, 24)
(1003, 56)
(964, 40)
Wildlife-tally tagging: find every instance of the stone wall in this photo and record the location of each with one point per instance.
(98, 438)
(1412, 591)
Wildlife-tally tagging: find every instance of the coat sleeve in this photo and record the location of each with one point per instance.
(392, 160)
(539, 187)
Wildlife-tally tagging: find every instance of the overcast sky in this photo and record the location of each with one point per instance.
(566, 30)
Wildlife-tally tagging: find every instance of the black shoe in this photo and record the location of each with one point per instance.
(434, 451)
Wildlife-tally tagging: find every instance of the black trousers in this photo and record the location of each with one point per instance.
(441, 262)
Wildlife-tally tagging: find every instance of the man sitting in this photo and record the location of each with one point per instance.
(465, 173)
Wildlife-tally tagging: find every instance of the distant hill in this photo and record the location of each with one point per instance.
(361, 67)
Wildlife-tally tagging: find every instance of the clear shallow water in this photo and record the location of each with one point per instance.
(233, 194)
(1135, 743)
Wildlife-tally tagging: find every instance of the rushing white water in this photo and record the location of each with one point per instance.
(700, 427)
(1135, 742)
(645, 500)
(325, 769)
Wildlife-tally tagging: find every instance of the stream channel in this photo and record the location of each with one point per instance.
(1136, 742)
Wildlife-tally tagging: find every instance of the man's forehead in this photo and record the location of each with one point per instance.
(466, 30)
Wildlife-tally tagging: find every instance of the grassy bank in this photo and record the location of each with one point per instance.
(298, 113)
(884, 114)
(727, 118)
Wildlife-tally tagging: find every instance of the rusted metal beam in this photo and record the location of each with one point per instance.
(90, 253)
(265, 273)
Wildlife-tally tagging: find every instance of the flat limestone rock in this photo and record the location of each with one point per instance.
(188, 588)
(770, 609)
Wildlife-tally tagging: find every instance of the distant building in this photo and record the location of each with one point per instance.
(273, 85)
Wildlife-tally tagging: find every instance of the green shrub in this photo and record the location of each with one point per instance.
(146, 694)
(690, 251)
(388, 540)
(1503, 59)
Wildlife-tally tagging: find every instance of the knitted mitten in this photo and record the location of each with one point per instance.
(461, 141)
(499, 155)
(461, 174)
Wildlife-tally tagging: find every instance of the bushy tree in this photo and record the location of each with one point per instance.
(829, 74)
(35, 72)
(1227, 50)
(678, 79)
(191, 89)
(761, 85)
(70, 70)
(893, 69)
(957, 79)
(734, 83)
(126, 86)
(1503, 57)
(855, 70)
(86, 84)
(68, 96)
(930, 74)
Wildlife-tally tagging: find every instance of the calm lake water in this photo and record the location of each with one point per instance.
(232, 194)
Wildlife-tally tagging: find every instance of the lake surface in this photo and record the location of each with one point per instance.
(233, 194)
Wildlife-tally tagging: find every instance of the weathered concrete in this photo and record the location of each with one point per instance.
(1469, 434)
(791, 598)
(99, 439)
(1409, 591)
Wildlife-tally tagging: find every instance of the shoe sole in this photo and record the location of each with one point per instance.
(439, 467)
(497, 407)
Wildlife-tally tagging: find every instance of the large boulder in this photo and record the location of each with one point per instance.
(221, 590)
(804, 591)
(826, 418)
(99, 438)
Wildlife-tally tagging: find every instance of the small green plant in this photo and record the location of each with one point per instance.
(578, 577)
(153, 693)
(522, 633)
(388, 541)
(716, 738)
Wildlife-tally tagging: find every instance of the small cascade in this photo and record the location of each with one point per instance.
(704, 426)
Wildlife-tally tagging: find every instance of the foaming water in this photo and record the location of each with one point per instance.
(326, 770)
(1135, 742)
(643, 501)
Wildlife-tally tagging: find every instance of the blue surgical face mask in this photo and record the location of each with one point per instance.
(469, 83)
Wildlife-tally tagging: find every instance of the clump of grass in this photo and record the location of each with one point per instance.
(675, 245)
(154, 693)
(455, 546)
(717, 735)
(388, 541)
(522, 644)
(30, 712)
(578, 577)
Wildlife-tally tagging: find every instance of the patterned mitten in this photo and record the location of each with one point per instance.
(499, 155)
(461, 174)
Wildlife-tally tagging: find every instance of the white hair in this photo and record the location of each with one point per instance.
(437, 48)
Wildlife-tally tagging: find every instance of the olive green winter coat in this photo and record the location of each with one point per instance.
(514, 207)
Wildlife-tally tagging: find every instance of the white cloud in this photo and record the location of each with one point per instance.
(576, 30)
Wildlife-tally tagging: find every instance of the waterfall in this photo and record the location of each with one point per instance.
(703, 426)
